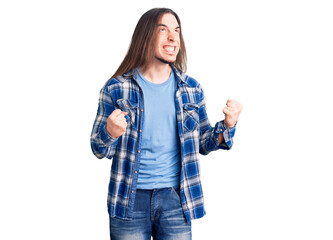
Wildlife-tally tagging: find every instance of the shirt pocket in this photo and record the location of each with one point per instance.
(190, 117)
(131, 108)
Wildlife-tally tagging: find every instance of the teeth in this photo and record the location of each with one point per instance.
(170, 49)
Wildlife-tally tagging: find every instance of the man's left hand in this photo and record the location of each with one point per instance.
(232, 112)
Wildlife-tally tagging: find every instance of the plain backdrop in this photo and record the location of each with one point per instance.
(274, 57)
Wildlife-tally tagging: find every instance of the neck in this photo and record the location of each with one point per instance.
(156, 72)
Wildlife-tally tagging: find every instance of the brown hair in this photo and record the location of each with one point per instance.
(141, 49)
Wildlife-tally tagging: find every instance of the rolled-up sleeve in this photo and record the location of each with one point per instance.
(209, 135)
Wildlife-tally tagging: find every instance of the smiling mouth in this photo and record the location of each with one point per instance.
(170, 49)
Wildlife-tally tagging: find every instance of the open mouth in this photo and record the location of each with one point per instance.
(169, 49)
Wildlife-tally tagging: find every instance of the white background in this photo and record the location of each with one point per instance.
(275, 57)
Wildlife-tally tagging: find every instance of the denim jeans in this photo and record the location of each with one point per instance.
(157, 213)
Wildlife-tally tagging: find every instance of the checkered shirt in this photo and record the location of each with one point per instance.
(196, 137)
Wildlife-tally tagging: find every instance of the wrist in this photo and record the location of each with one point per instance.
(108, 129)
(228, 125)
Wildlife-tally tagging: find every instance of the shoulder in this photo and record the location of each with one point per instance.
(188, 80)
(191, 82)
(120, 81)
(189, 88)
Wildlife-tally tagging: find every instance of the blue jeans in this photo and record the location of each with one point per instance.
(157, 213)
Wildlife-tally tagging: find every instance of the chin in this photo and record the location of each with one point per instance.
(170, 59)
(166, 60)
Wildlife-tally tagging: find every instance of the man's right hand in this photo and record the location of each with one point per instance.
(116, 123)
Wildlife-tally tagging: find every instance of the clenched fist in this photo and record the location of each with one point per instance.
(232, 112)
(116, 123)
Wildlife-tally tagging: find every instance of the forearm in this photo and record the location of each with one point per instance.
(102, 143)
(220, 138)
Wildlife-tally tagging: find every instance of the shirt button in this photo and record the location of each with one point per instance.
(138, 151)
(136, 171)
(140, 130)
(126, 105)
(132, 191)
(141, 110)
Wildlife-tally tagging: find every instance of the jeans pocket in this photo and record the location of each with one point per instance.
(176, 191)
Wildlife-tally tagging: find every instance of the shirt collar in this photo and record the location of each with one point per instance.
(180, 76)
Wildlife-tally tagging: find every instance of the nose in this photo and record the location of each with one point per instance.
(171, 36)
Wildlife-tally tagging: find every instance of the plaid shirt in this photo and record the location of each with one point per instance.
(195, 133)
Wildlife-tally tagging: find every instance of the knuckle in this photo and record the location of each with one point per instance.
(116, 111)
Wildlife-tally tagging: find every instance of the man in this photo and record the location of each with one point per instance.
(152, 121)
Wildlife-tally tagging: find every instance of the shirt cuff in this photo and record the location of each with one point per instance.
(106, 138)
(228, 134)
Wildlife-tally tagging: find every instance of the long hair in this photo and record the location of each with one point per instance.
(141, 49)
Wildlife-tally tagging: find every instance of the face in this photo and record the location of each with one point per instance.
(168, 39)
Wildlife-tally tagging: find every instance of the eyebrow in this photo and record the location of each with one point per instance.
(163, 25)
